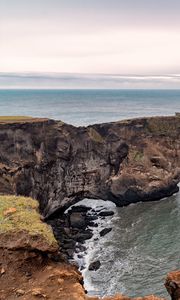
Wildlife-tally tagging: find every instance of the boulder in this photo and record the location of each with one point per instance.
(80, 208)
(105, 231)
(172, 285)
(94, 266)
(106, 213)
(77, 220)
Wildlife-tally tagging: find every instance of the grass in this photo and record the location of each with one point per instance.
(14, 118)
(163, 126)
(95, 136)
(19, 119)
(136, 155)
(21, 214)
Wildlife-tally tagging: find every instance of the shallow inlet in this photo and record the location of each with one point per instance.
(141, 248)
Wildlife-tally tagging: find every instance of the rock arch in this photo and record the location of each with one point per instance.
(59, 164)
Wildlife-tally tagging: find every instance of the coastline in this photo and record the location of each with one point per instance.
(28, 272)
(59, 165)
(124, 162)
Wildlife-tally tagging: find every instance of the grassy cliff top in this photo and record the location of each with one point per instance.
(20, 215)
(20, 119)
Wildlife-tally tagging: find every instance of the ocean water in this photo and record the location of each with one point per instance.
(84, 107)
(145, 240)
(141, 249)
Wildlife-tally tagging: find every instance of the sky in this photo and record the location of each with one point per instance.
(137, 39)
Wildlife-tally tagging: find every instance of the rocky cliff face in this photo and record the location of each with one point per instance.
(31, 267)
(58, 164)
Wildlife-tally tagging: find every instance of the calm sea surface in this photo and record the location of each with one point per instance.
(145, 241)
(83, 107)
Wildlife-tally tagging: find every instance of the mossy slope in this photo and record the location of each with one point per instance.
(20, 221)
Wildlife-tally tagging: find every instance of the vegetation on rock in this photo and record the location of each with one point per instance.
(19, 119)
(20, 214)
(95, 136)
(161, 126)
(14, 118)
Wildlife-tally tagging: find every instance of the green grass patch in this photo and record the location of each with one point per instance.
(136, 155)
(95, 136)
(20, 119)
(21, 214)
(14, 118)
(162, 126)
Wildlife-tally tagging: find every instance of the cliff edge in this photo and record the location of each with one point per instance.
(59, 164)
(30, 264)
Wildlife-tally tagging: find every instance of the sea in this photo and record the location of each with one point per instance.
(84, 107)
(144, 242)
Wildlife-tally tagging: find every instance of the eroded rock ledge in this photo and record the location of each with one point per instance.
(58, 164)
(30, 265)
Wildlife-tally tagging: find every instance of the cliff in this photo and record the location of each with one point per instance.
(30, 265)
(59, 164)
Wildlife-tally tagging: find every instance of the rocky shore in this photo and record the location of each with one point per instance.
(74, 227)
(59, 165)
(31, 265)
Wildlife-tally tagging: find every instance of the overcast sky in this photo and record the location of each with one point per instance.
(126, 37)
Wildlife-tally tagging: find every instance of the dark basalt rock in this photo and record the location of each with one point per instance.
(106, 213)
(94, 266)
(90, 218)
(70, 253)
(77, 220)
(70, 245)
(59, 164)
(80, 208)
(92, 224)
(81, 237)
(80, 248)
(72, 230)
(105, 231)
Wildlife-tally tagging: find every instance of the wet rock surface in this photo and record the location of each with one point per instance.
(94, 266)
(74, 228)
(104, 231)
(106, 213)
